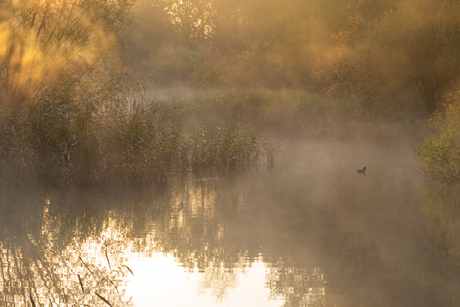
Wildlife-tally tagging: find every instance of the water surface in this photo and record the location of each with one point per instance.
(311, 233)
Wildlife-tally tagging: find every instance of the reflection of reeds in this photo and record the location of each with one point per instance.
(107, 257)
(125, 266)
(98, 277)
(32, 300)
(81, 283)
(85, 265)
(102, 298)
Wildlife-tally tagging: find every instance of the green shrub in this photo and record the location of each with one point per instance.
(440, 154)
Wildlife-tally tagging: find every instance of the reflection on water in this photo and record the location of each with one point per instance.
(305, 236)
(440, 202)
(46, 259)
(297, 286)
(174, 286)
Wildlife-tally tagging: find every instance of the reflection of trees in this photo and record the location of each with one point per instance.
(350, 238)
(386, 247)
(365, 236)
(55, 237)
(440, 203)
(25, 267)
(198, 230)
(212, 229)
(217, 276)
(296, 286)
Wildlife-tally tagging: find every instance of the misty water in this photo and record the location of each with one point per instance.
(312, 232)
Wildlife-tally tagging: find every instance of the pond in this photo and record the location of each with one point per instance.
(312, 232)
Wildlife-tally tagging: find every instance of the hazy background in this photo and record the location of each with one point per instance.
(384, 56)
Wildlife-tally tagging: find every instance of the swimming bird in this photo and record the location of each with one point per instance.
(361, 171)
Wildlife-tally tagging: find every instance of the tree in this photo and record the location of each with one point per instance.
(407, 60)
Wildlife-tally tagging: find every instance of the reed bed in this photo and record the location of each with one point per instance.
(228, 149)
(143, 140)
(125, 142)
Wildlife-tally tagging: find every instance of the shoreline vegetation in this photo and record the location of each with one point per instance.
(145, 140)
(71, 111)
(130, 143)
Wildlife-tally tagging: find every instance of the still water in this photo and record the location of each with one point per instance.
(311, 233)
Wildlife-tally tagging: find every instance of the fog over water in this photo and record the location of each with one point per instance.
(311, 233)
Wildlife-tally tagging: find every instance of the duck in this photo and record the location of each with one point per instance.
(361, 171)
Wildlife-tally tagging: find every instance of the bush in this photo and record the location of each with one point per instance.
(440, 155)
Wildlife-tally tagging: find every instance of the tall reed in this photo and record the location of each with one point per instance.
(123, 142)
(227, 148)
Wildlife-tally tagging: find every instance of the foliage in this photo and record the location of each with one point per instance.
(240, 43)
(406, 61)
(58, 66)
(380, 58)
(440, 155)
